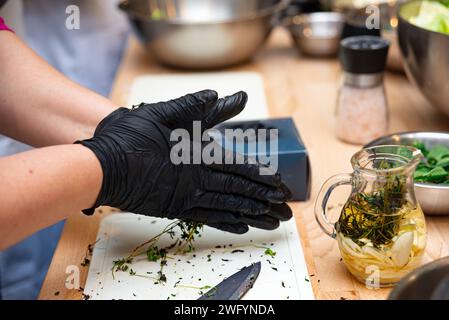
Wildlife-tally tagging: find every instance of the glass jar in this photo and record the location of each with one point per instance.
(362, 109)
(381, 230)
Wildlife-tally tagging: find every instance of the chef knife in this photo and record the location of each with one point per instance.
(234, 287)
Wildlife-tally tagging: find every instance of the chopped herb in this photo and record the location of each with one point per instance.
(275, 269)
(270, 252)
(154, 254)
(90, 247)
(237, 251)
(88, 255)
(162, 277)
(121, 265)
(283, 284)
(86, 262)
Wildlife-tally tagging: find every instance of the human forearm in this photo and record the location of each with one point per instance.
(57, 181)
(40, 106)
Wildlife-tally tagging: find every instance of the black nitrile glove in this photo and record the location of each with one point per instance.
(133, 147)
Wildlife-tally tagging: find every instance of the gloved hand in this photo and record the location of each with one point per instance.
(133, 147)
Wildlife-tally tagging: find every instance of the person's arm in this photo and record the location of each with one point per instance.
(40, 106)
(41, 187)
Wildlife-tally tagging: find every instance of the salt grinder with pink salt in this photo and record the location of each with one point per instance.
(362, 108)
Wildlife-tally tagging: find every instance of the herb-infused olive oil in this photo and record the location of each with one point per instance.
(381, 230)
(387, 245)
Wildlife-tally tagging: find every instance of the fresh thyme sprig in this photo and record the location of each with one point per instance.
(184, 244)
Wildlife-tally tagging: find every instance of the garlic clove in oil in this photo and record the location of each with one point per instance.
(400, 251)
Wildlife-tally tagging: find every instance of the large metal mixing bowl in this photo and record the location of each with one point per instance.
(426, 57)
(202, 34)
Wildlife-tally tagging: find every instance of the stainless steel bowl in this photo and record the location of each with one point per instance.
(202, 34)
(433, 198)
(421, 283)
(317, 34)
(426, 56)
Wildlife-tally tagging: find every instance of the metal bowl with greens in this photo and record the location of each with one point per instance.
(435, 167)
(425, 51)
(432, 175)
(433, 16)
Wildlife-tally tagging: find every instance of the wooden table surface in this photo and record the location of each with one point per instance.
(304, 89)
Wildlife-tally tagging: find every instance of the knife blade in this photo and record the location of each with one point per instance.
(236, 286)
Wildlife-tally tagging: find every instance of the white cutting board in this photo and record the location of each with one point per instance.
(155, 88)
(120, 233)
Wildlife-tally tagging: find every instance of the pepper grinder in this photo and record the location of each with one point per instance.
(362, 109)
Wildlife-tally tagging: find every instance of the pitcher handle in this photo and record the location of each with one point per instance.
(323, 197)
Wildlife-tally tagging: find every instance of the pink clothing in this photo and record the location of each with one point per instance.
(3, 26)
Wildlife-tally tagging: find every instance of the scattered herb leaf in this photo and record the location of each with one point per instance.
(270, 252)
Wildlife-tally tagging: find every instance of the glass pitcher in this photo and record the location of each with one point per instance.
(381, 230)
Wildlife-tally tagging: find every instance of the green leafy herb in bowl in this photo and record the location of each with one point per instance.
(435, 167)
(431, 178)
(433, 16)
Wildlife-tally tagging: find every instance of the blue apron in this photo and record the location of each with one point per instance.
(89, 56)
(23, 267)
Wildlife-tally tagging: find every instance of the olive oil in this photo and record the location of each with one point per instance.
(381, 230)
(393, 258)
